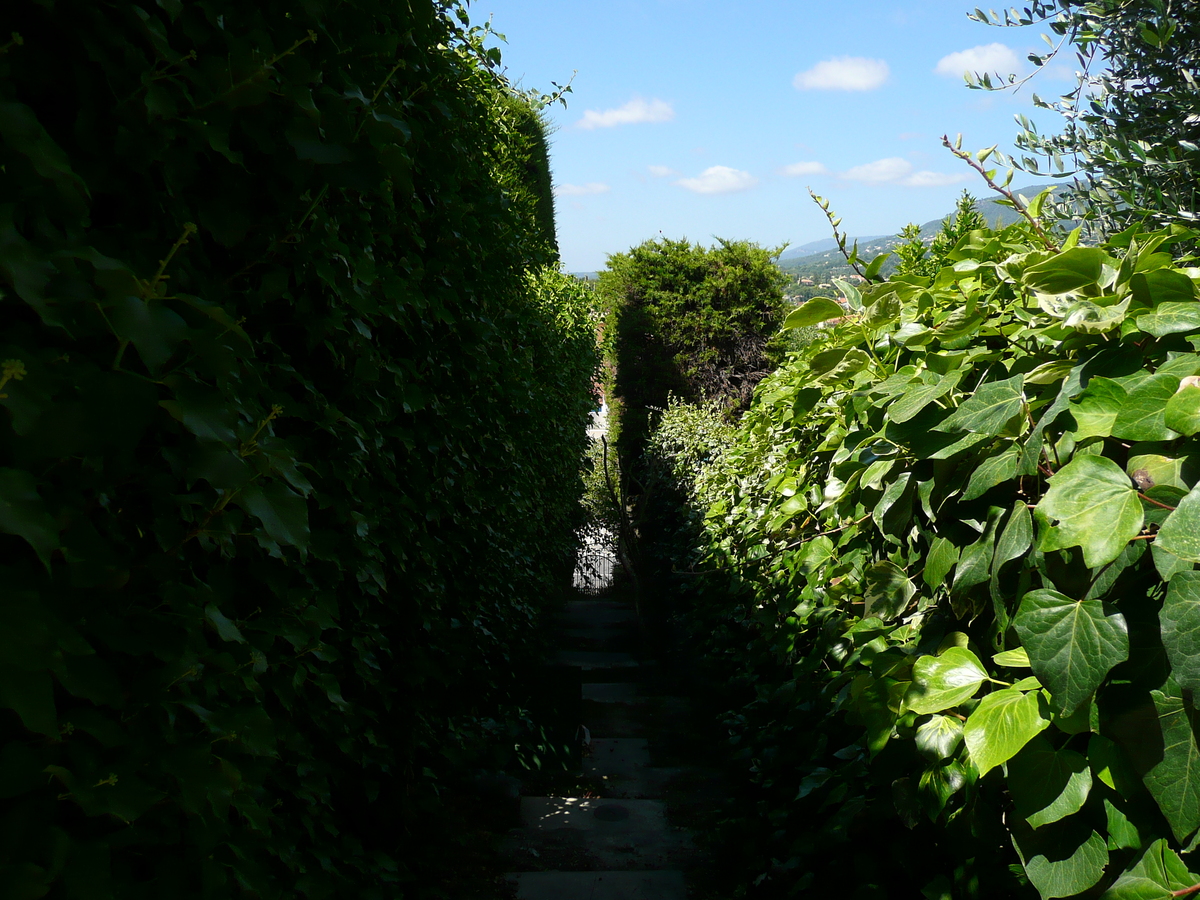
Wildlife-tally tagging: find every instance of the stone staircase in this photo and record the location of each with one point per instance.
(618, 841)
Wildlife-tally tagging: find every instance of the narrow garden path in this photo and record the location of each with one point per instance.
(624, 833)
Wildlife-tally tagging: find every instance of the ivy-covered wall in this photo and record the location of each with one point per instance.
(293, 411)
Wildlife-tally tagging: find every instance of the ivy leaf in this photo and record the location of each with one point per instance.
(1143, 415)
(1158, 875)
(1072, 644)
(1175, 781)
(887, 590)
(814, 311)
(988, 409)
(1096, 409)
(1062, 859)
(225, 627)
(942, 556)
(1170, 318)
(283, 513)
(31, 696)
(991, 471)
(921, 395)
(1095, 507)
(1183, 411)
(1149, 470)
(942, 682)
(1068, 271)
(23, 513)
(1015, 541)
(1003, 723)
(1017, 658)
(1180, 533)
(1047, 784)
(939, 737)
(1180, 621)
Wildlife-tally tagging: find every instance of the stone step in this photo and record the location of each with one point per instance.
(597, 613)
(598, 660)
(623, 766)
(612, 692)
(599, 885)
(569, 833)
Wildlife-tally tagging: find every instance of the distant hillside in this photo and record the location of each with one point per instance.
(821, 261)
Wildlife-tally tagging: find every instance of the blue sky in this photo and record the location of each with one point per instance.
(698, 119)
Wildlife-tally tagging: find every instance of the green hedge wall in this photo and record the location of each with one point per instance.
(288, 462)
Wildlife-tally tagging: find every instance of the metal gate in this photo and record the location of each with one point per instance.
(595, 561)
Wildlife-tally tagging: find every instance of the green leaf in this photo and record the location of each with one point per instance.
(1174, 781)
(283, 513)
(1017, 658)
(225, 628)
(1183, 411)
(1171, 318)
(814, 311)
(1110, 765)
(1072, 644)
(887, 590)
(939, 737)
(1096, 409)
(1168, 565)
(882, 312)
(1062, 859)
(1003, 723)
(1143, 415)
(991, 471)
(1158, 875)
(988, 409)
(921, 395)
(1150, 470)
(942, 682)
(152, 328)
(23, 513)
(1180, 533)
(1180, 621)
(942, 556)
(1047, 784)
(31, 696)
(1068, 271)
(1122, 833)
(1015, 539)
(1093, 506)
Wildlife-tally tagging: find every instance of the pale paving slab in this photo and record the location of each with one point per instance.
(599, 885)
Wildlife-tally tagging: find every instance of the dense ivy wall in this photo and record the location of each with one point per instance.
(950, 564)
(293, 414)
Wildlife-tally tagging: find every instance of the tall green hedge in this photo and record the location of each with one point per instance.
(293, 415)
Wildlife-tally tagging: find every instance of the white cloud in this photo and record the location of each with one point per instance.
(661, 171)
(984, 58)
(635, 111)
(580, 190)
(843, 73)
(804, 168)
(934, 179)
(719, 180)
(881, 171)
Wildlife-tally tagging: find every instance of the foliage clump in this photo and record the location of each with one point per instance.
(1129, 122)
(959, 531)
(290, 399)
(686, 320)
